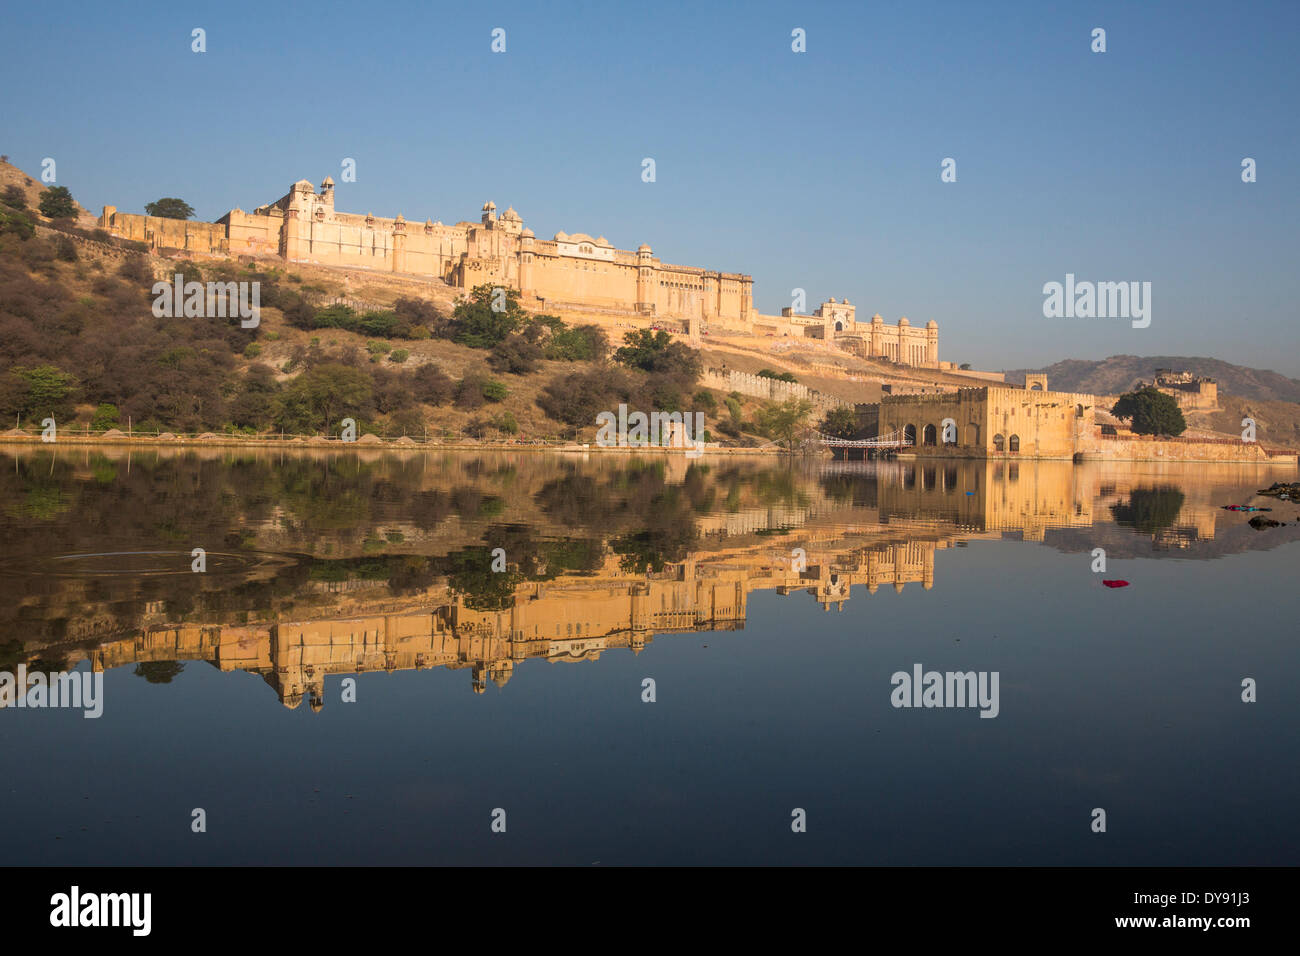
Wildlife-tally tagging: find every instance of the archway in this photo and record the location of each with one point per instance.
(928, 436)
(909, 433)
(1014, 443)
(999, 443)
(973, 435)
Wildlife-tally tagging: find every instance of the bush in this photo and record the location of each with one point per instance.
(431, 385)
(733, 407)
(578, 398)
(705, 402)
(15, 198)
(495, 391)
(515, 354)
(252, 350)
(506, 424)
(779, 376)
(398, 356)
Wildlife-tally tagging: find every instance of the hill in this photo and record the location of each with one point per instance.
(1120, 372)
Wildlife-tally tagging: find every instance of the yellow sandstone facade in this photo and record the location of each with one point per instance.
(569, 273)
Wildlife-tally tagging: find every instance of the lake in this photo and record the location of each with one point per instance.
(328, 657)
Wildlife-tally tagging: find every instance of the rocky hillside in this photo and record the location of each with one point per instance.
(1119, 372)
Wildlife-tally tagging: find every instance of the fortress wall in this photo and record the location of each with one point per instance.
(159, 233)
(771, 389)
(251, 234)
(595, 282)
(1137, 449)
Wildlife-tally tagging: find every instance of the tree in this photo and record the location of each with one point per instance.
(170, 208)
(38, 392)
(1151, 411)
(839, 422)
(475, 323)
(786, 420)
(325, 392)
(57, 203)
(653, 351)
(15, 198)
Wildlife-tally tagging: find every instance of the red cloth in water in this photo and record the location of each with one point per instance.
(1115, 584)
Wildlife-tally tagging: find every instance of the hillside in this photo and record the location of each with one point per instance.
(1120, 372)
(32, 188)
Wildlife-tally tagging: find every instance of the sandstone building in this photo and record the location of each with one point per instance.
(567, 274)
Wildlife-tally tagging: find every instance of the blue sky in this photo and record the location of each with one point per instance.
(817, 170)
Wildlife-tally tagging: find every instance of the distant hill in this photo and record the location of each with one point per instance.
(1119, 372)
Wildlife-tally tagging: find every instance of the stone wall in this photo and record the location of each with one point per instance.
(771, 389)
(1149, 449)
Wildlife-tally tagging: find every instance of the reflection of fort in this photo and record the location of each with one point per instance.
(861, 530)
(558, 621)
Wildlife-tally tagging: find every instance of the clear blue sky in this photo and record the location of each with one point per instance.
(817, 170)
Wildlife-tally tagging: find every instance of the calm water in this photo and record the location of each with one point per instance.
(770, 604)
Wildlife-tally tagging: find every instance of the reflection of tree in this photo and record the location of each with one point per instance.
(1149, 510)
(483, 589)
(159, 672)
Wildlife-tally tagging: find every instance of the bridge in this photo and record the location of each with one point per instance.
(890, 442)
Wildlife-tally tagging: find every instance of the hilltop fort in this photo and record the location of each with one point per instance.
(567, 274)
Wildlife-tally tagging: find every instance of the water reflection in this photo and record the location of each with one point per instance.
(321, 563)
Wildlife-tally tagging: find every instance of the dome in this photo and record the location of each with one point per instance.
(932, 324)
(832, 300)
(526, 234)
(561, 237)
(903, 323)
(510, 213)
(327, 181)
(644, 247)
(489, 206)
(877, 320)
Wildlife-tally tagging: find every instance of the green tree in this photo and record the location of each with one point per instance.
(477, 324)
(105, 417)
(653, 351)
(169, 208)
(1151, 412)
(38, 392)
(319, 397)
(785, 420)
(839, 422)
(57, 203)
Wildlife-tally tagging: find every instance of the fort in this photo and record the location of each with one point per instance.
(568, 274)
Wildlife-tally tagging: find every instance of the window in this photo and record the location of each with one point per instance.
(1014, 444)
(999, 443)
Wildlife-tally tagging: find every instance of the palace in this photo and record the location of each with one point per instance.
(566, 275)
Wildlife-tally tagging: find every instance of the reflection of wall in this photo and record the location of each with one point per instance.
(559, 621)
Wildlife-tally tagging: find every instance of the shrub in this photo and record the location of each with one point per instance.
(431, 385)
(398, 356)
(252, 350)
(495, 391)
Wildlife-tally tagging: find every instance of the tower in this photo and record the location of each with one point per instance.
(644, 280)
